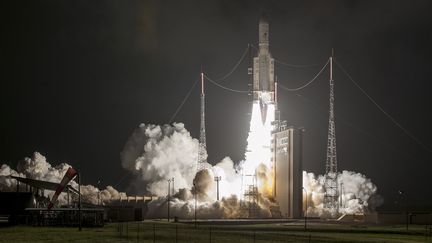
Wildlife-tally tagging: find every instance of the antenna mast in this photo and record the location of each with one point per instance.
(330, 184)
(202, 147)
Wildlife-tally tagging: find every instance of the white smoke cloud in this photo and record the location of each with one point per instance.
(158, 153)
(355, 191)
(7, 183)
(155, 154)
(230, 183)
(227, 207)
(38, 168)
(95, 196)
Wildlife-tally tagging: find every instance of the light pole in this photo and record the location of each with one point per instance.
(168, 199)
(79, 202)
(403, 194)
(305, 211)
(195, 211)
(217, 179)
(99, 198)
(341, 203)
(173, 189)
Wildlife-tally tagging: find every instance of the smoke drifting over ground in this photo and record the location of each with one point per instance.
(158, 153)
(183, 202)
(38, 168)
(154, 154)
(355, 193)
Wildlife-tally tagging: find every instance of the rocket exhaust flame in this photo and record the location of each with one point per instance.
(258, 153)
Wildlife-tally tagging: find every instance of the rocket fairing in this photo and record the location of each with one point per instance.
(263, 70)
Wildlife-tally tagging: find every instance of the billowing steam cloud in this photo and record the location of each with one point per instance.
(38, 168)
(183, 203)
(154, 154)
(355, 193)
(158, 153)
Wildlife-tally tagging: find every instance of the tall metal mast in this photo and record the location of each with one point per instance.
(330, 184)
(202, 149)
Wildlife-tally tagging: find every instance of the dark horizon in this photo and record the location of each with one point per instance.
(80, 76)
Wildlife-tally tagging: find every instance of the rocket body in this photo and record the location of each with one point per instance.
(263, 71)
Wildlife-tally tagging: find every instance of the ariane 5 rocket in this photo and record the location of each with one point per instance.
(263, 71)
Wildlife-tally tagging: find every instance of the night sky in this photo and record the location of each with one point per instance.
(79, 76)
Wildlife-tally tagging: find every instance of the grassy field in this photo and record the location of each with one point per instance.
(159, 231)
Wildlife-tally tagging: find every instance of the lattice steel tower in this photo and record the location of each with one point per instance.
(330, 184)
(202, 147)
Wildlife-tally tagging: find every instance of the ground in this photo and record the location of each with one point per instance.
(161, 231)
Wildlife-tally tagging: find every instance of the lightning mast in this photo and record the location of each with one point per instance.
(330, 184)
(202, 147)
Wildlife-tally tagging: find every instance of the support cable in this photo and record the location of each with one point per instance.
(306, 84)
(126, 175)
(382, 110)
(234, 67)
(183, 102)
(348, 123)
(224, 87)
(214, 82)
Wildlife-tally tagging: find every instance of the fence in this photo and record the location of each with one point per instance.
(170, 232)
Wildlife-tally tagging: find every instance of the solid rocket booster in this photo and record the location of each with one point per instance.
(263, 70)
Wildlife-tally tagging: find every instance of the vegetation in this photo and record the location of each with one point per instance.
(168, 232)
